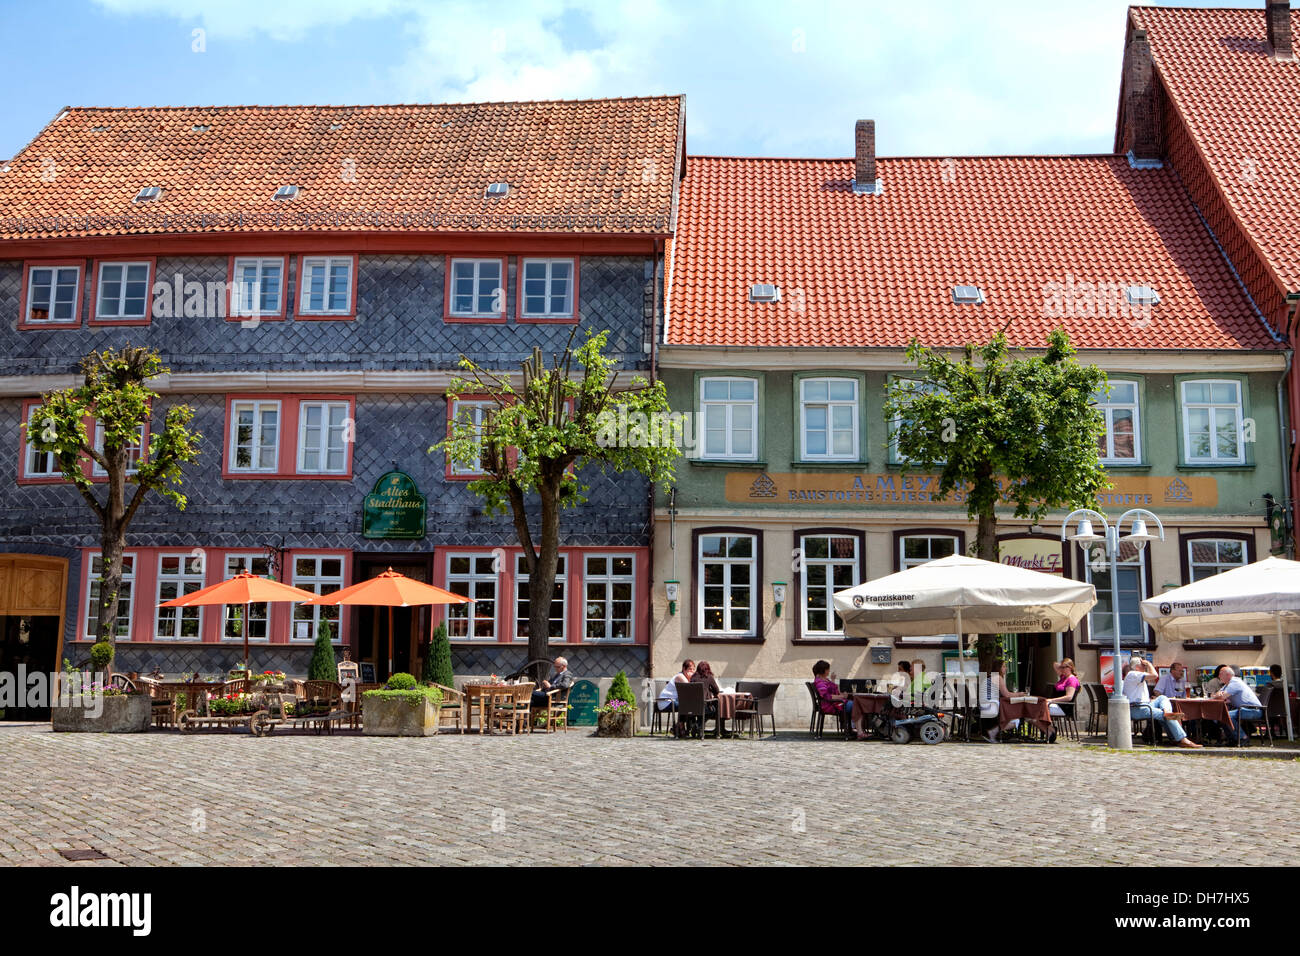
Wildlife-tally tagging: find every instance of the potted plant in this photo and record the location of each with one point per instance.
(268, 681)
(402, 708)
(93, 707)
(617, 717)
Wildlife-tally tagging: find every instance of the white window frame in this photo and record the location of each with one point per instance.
(477, 278)
(182, 580)
(55, 271)
(730, 404)
(238, 307)
(548, 312)
(317, 582)
(1108, 407)
(896, 456)
(256, 443)
(1220, 566)
(1103, 592)
(521, 598)
(236, 561)
(472, 580)
(133, 453)
(304, 297)
(477, 407)
(122, 316)
(904, 562)
(728, 563)
(30, 452)
(830, 405)
(1238, 412)
(129, 559)
(609, 579)
(326, 445)
(829, 563)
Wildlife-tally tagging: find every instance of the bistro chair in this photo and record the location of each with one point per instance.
(764, 695)
(1264, 727)
(512, 711)
(555, 713)
(452, 706)
(817, 725)
(1066, 725)
(691, 707)
(322, 695)
(657, 716)
(1097, 702)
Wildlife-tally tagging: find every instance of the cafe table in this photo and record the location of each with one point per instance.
(1033, 709)
(728, 703)
(1202, 709)
(486, 696)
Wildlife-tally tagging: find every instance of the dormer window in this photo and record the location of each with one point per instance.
(967, 295)
(498, 189)
(148, 194)
(1142, 295)
(764, 292)
(286, 192)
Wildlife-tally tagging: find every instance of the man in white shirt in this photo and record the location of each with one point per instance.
(1173, 683)
(1242, 702)
(1138, 674)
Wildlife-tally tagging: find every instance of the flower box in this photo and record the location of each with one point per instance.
(111, 714)
(399, 716)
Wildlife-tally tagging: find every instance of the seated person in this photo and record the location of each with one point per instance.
(667, 699)
(1242, 703)
(1138, 674)
(561, 679)
(1174, 683)
(1065, 689)
(1274, 677)
(830, 700)
(992, 691)
(921, 682)
(704, 675)
(898, 683)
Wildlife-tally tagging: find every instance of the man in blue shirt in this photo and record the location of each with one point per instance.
(1242, 702)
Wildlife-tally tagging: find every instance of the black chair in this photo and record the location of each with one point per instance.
(1267, 696)
(1066, 724)
(1097, 707)
(657, 715)
(817, 725)
(764, 695)
(692, 709)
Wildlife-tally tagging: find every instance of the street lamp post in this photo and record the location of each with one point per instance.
(1119, 725)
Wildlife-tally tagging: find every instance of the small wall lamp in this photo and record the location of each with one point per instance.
(670, 591)
(778, 595)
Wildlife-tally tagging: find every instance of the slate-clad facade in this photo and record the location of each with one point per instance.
(380, 365)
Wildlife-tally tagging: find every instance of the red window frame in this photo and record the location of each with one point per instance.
(448, 473)
(286, 459)
(298, 312)
(284, 289)
(93, 289)
(28, 266)
(571, 318)
(87, 464)
(448, 316)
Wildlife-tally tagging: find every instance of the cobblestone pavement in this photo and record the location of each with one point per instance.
(162, 798)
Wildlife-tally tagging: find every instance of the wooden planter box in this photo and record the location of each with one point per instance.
(616, 725)
(122, 714)
(397, 718)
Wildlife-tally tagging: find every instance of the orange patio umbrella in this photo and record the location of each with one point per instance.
(390, 590)
(244, 588)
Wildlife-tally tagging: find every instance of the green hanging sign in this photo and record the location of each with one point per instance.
(584, 698)
(394, 509)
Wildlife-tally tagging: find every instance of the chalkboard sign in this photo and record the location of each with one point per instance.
(367, 672)
(584, 698)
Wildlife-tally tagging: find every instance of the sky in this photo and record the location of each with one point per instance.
(940, 77)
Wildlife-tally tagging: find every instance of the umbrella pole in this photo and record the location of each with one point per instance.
(390, 640)
(961, 674)
(1286, 686)
(245, 630)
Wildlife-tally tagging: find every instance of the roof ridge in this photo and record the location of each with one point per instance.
(936, 156)
(374, 106)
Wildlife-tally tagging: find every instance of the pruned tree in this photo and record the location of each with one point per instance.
(116, 396)
(536, 439)
(1018, 431)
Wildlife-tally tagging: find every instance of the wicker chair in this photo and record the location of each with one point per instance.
(327, 695)
(1097, 707)
(764, 695)
(817, 725)
(692, 707)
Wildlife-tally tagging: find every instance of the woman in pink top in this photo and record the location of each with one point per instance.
(831, 701)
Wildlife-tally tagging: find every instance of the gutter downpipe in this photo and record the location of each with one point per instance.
(654, 377)
(1284, 423)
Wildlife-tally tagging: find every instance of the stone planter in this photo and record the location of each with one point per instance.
(122, 714)
(397, 718)
(616, 725)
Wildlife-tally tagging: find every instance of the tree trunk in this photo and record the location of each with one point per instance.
(112, 545)
(541, 579)
(986, 548)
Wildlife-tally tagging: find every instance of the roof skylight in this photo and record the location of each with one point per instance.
(1142, 295)
(498, 189)
(764, 292)
(148, 194)
(286, 192)
(967, 295)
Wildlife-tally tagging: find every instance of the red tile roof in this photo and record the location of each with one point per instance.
(864, 271)
(1242, 110)
(576, 166)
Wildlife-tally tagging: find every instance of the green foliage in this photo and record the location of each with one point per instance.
(413, 696)
(400, 681)
(323, 665)
(437, 665)
(619, 689)
(1016, 431)
(541, 434)
(101, 655)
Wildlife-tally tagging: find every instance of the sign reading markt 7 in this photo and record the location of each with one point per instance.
(394, 509)
(796, 488)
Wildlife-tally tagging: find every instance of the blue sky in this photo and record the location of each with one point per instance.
(940, 77)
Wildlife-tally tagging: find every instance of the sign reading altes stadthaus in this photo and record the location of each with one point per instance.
(812, 488)
(394, 509)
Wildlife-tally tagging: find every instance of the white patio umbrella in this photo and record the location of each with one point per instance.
(963, 595)
(1254, 599)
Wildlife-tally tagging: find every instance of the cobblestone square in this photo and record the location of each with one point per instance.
(219, 799)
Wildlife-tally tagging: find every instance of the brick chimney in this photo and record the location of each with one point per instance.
(864, 156)
(1277, 18)
(1142, 120)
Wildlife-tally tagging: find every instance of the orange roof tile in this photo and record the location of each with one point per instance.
(873, 271)
(575, 166)
(1242, 110)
